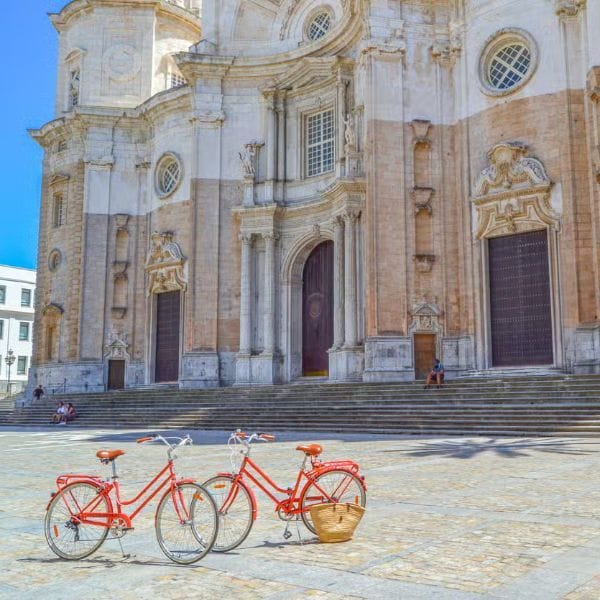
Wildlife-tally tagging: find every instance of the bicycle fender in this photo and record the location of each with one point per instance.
(185, 480)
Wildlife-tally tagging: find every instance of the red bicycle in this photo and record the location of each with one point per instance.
(82, 512)
(317, 482)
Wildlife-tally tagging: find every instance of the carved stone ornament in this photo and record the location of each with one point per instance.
(568, 8)
(52, 313)
(512, 194)
(165, 265)
(422, 199)
(425, 318)
(424, 262)
(421, 129)
(117, 349)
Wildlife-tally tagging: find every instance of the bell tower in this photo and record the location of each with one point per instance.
(114, 53)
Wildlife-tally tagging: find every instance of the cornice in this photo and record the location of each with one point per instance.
(76, 8)
(343, 38)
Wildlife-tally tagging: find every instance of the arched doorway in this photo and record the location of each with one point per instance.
(317, 310)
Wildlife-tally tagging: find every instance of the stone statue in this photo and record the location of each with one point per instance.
(349, 133)
(246, 156)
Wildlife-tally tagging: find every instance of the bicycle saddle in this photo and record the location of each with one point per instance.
(109, 454)
(311, 449)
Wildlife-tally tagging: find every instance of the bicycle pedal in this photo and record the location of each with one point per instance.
(287, 535)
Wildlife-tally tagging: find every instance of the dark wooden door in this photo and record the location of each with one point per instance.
(424, 354)
(317, 310)
(116, 374)
(521, 315)
(167, 337)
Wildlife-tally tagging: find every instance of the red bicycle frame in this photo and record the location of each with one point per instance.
(85, 514)
(291, 504)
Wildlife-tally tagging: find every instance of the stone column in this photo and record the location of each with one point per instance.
(281, 142)
(351, 338)
(338, 283)
(341, 115)
(269, 308)
(271, 146)
(245, 301)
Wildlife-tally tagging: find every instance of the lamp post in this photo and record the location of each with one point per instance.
(9, 360)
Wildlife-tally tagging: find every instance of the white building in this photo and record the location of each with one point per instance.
(17, 289)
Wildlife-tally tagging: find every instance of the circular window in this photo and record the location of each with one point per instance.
(507, 62)
(168, 174)
(318, 26)
(54, 260)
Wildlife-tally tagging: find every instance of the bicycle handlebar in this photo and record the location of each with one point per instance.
(247, 439)
(183, 441)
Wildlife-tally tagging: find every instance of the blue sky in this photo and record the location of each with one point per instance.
(26, 100)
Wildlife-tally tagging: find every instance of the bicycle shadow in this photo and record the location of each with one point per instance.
(109, 563)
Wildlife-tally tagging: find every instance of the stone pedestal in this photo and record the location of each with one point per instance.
(586, 350)
(388, 359)
(249, 191)
(260, 369)
(346, 364)
(199, 370)
(458, 355)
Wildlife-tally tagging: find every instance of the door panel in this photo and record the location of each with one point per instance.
(317, 310)
(521, 315)
(424, 354)
(116, 374)
(167, 336)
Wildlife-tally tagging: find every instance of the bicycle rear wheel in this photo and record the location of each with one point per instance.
(186, 523)
(69, 535)
(338, 486)
(235, 519)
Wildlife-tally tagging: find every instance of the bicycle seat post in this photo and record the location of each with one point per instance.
(114, 469)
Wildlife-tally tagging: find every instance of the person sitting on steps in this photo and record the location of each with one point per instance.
(69, 415)
(437, 373)
(61, 411)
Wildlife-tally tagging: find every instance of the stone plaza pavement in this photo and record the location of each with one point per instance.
(447, 518)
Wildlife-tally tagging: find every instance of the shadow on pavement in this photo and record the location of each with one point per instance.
(465, 449)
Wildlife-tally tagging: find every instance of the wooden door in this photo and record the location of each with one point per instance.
(424, 354)
(167, 337)
(116, 374)
(521, 315)
(317, 310)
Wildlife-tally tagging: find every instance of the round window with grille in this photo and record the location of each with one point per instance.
(54, 260)
(168, 174)
(507, 62)
(319, 25)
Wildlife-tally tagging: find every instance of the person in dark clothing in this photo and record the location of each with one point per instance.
(38, 392)
(437, 373)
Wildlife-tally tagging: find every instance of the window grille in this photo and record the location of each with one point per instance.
(2, 294)
(319, 143)
(1, 329)
(319, 26)
(74, 81)
(509, 65)
(176, 80)
(168, 174)
(58, 216)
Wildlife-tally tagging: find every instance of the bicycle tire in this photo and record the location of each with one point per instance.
(236, 523)
(186, 542)
(352, 491)
(63, 533)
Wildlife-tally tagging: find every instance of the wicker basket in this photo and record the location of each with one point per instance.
(336, 522)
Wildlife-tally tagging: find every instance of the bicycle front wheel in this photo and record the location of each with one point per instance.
(235, 512)
(70, 535)
(338, 486)
(186, 523)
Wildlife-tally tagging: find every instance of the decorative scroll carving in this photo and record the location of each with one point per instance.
(421, 129)
(513, 193)
(568, 8)
(165, 265)
(422, 199)
(52, 313)
(510, 168)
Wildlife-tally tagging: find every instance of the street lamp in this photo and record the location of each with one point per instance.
(9, 360)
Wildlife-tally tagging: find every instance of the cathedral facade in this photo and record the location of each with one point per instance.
(257, 191)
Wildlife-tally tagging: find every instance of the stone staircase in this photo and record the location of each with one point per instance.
(532, 405)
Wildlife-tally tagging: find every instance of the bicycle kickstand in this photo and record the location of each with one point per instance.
(287, 534)
(122, 550)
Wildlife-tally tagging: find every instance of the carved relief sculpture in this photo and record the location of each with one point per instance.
(512, 194)
(165, 265)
